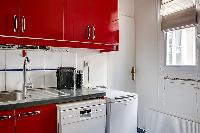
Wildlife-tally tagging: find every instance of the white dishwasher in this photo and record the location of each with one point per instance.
(121, 111)
(82, 117)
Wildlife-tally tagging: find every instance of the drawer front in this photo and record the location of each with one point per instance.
(7, 121)
(40, 119)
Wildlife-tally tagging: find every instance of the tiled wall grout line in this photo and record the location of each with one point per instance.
(5, 63)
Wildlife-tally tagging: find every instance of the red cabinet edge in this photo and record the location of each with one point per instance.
(57, 43)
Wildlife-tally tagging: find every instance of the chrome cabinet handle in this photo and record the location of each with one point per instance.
(30, 113)
(2, 118)
(89, 32)
(23, 24)
(93, 32)
(15, 23)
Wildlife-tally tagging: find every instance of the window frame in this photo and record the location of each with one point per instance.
(179, 67)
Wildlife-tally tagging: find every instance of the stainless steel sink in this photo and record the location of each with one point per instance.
(32, 94)
(11, 96)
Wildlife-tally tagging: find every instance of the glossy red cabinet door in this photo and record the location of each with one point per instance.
(77, 18)
(40, 119)
(9, 15)
(7, 122)
(42, 18)
(105, 21)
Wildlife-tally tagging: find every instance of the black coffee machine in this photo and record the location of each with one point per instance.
(69, 78)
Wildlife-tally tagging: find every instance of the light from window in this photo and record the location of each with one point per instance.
(181, 47)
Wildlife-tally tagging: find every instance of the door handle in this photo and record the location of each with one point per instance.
(93, 32)
(23, 24)
(15, 23)
(29, 113)
(2, 118)
(89, 32)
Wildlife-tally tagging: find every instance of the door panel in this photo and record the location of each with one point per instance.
(7, 122)
(105, 21)
(41, 119)
(77, 19)
(8, 9)
(43, 18)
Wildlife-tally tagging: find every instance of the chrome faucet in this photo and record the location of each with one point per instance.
(27, 83)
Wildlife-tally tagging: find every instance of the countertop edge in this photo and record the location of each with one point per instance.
(58, 100)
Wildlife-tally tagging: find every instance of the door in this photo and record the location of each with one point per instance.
(105, 21)
(42, 18)
(77, 19)
(41, 119)
(9, 15)
(7, 122)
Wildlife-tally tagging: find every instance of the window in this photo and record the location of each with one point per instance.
(181, 47)
(178, 21)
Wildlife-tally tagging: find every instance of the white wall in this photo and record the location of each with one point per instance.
(120, 63)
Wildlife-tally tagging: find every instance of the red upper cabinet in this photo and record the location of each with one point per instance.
(9, 17)
(39, 119)
(42, 19)
(93, 21)
(7, 122)
(43, 22)
(105, 21)
(77, 20)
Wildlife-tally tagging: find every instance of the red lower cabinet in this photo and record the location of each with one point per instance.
(39, 119)
(7, 122)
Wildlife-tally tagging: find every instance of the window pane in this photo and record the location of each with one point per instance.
(181, 47)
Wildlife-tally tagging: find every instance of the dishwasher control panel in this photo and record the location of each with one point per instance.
(80, 111)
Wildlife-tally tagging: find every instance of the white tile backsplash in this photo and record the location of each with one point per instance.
(98, 70)
(68, 59)
(98, 67)
(37, 79)
(14, 80)
(50, 60)
(2, 81)
(14, 59)
(37, 59)
(2, 59)
(50, 79)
